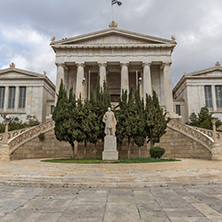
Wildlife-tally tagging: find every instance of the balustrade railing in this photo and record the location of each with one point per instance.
(29, 134)
(201, 137)
(13, 133)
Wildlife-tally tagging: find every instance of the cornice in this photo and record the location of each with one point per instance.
(113, 31)
(116, 46)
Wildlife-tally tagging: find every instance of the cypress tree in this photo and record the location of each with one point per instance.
(127, 118)
(62, 116)
(156, 122)
(140, 136)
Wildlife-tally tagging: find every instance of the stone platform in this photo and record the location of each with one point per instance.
(39, 174)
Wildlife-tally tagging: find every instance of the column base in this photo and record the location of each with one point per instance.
(110, 152)
(4, 153)
(216, 152)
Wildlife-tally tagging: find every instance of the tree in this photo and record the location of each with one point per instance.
(62, 116)
(100, 106)
(140, 136)
(203, 120)
(156, 122)
(127, 118)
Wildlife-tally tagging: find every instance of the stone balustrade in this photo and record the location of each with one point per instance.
(29, 134)
(209, 132)
(12, 134)
(193, 133)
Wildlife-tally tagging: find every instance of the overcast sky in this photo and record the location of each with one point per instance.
(26, 27)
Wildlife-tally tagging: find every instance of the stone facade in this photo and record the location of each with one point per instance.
(24, 93)
(198, 89)
(120, 58)
(176, 145)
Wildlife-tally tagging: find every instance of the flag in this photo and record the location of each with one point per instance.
(117, 2)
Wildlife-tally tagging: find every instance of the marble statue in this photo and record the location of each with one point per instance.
(110, 121)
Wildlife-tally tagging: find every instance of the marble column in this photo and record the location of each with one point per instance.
(102, 73)
(124, 77)
(168, 97)
(79, 79)
(16, 98)
(60, 77)
(214, 102)
(6, 98)
(147, 83)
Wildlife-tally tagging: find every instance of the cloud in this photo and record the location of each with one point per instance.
(27, 26)
(28, 49)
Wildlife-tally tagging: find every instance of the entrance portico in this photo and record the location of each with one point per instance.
(120, 58)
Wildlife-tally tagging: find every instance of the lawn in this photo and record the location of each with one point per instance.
(100, 161)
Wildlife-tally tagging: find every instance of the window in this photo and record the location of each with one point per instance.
(2, 97)
(11, 98)
(218, 90)
(208, 96)
(178, 111)
(52, 109)
(22, 96)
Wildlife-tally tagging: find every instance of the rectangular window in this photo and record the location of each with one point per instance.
(218, 90)
(52, 109)
(208, 96)
(22, 96)
(178, 111)
(2, 97)
(11, 97)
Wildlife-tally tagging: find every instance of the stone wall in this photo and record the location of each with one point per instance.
(177, 146)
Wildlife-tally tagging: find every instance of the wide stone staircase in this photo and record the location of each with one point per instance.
(17, 139)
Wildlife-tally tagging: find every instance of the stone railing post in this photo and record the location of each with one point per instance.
(4, 152)
(216, 149)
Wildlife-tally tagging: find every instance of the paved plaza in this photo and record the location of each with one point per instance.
(189, 190)
(157, 204)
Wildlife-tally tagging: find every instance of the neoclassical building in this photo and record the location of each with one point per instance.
(198, 89)
(120, 58)
(24, 93)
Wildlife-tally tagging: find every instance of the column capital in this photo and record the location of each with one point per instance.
(167, 63)
(80, 64)
(146, 64)
(124, 64)
(104, 64)
(60, 64)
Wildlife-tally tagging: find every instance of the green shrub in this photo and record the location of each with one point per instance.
(42, 136)
(156, 152)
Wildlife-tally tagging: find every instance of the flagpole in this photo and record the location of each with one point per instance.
(112, 11)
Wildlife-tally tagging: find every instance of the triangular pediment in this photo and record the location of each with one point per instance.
(211, 72)
(113, 36)
(14, 73)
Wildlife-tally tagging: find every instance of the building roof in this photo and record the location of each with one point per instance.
(6, 74)
(108, 38)
(209, 73)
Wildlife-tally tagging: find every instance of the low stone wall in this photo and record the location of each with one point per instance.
(177, 146)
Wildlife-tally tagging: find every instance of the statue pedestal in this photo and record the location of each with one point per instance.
(110, 152)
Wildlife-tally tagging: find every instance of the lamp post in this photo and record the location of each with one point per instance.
(140, 88)
(5, 154)
(83, 89)
(216, 149)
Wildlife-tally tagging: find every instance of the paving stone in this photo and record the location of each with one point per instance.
(86, 210)
(121, 213)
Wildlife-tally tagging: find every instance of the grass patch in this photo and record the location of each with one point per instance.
(99, 161)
